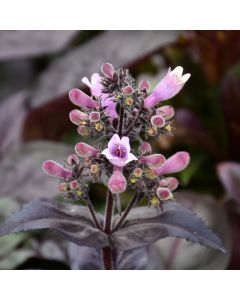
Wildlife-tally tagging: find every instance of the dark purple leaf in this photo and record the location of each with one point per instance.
(229, 174)
(148, 225)
(21, 170)
(12, 114)
(122, 48)
(16, 44)
(72, 221)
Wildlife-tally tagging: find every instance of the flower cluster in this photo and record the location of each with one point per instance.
(120, 111)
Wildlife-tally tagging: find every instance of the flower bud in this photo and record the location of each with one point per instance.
(94, 116)
(108, 70)
(144, 85)
(164, 193)
(170, 182)
(72, 159)
(83, 130)
(55, 169)
(94, 169)
(99, 126)
(129, 101)
(153, 161)
(145, 148)
(81, 99)
(77, 117)
(128, 90)
(158, 121)
(117, 182)
(62, 187)
(73, 185)
(85, 150)
(154, 201)
(137, 172)
(166, 111)
(152, 131)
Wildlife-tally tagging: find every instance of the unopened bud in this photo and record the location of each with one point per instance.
(164, 193)
(98, 126)
(117, 182)
(145, 148)
(129, 101)
(62, 187)
(108, 70)
(94, 116)
(171, 183)
(137, 172)
(72, 159)
(77, 117)
(166, 111)
(128, 90)
(152, 131)
(73, 185)
(83, 130)
(158, 121)
(94, 169)
(154, 201)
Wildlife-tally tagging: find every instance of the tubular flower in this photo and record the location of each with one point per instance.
(117, 182)
(168, 87)
(118, 151)
(53, 168)
(85, 150)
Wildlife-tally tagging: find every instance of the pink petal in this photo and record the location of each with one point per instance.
(117, 182)
(115, 139)
(229, 174)
(153, 161)
(128, 90)
(166, 111)
(72, 159)
(170, 182)
(145, 148)
(85, 150)
(144, 84)
(81, 99)
(175, 163)
(55, 169)
(125, 142)
(164, 193)
(108, 70)
(158, 121)
(76, 116)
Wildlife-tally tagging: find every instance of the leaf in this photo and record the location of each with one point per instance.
(21, 170)
(229, 174)
(12, 114)
(124, 48)
(17, 44)
(72, 221)
(174, 253)
(148, 225)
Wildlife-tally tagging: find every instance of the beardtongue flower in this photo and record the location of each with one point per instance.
(85, 150)
(118, 151)
(117, 182)
(166, 111)
(53, 168)
(76, 116)
(96, 90)
(174, 164)
(108, 70)
(170, 182)
(168, 87)
(81, 99)
(153, 161)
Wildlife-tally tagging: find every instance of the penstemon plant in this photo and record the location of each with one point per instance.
(117, 113)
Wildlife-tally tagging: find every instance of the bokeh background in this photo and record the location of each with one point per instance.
(37, 68)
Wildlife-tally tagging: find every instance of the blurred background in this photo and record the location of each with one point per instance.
(37, 68)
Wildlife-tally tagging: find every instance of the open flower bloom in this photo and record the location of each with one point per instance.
(55, 169)
(168, 87)
(174, 164)
(118, 151)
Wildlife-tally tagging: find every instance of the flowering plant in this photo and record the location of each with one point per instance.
(118, 113)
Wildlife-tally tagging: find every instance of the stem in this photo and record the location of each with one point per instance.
(137, 197)
(107, 251)
(93, 213)
(120, 126)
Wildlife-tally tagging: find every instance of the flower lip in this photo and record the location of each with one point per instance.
(118, 150)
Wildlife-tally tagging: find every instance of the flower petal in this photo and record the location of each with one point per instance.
(125, 142)
(115, 139)
(81, 99)
(175, 163)
(53, 168)
(108, 70)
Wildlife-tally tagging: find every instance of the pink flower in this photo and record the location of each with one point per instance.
(76, 116)
(170, 182)
(153, 161)
(168, 87)
(118, 151)
(144, 85)
(55, 169)
(145, 148)
(96, 90)
(174, 164)
(85, 150)
(108, 70)
(117, 182)
(81, 99)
